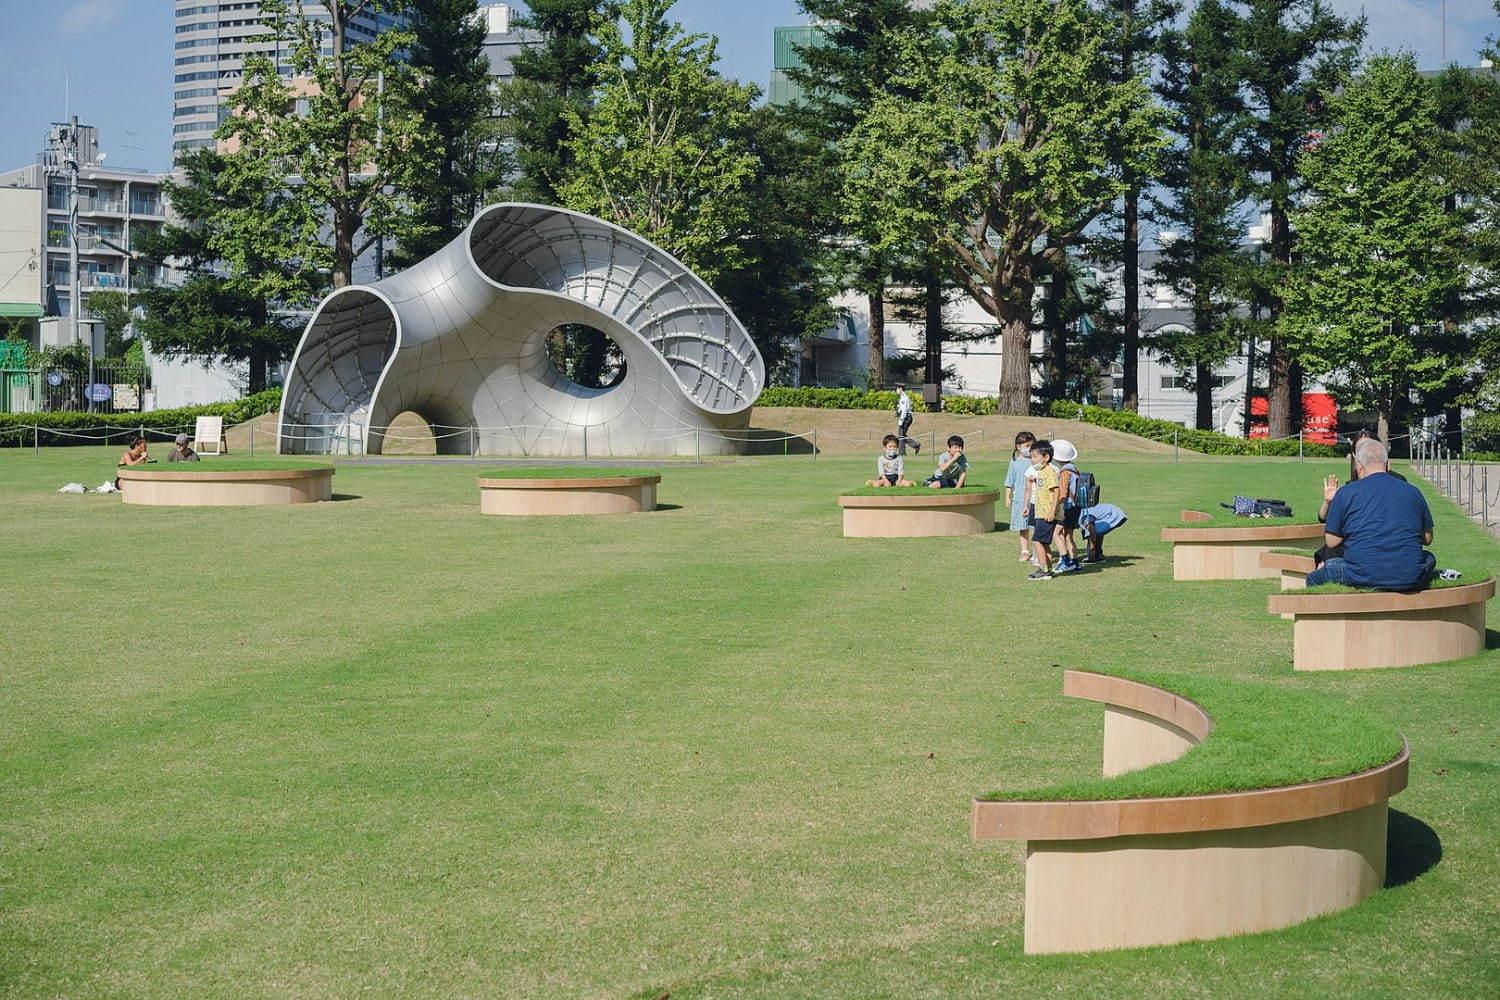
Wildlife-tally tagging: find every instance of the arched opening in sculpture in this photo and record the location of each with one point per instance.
(586, 356)
(410, 433)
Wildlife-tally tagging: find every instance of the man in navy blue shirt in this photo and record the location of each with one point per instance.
(1383, 524)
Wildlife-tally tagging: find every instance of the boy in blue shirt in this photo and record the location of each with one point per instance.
(1096, 522)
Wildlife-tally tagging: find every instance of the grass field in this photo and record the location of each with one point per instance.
(388, 746)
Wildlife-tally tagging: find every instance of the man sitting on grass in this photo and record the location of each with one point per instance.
(1383, 524)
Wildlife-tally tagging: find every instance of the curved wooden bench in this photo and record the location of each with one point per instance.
(1293, 568)
(603, 495)
(1126, 873)
(1378, 629)
(1233, 553)
(909, 515)
(1195, 516)
(214, 488)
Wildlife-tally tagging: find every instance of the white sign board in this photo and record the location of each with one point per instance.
(210, 432)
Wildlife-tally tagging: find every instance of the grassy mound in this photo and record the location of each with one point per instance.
(211, 464)
(1222, 518)
(1437, 584)
(563, 472)
(1263, 737)
(911, 491)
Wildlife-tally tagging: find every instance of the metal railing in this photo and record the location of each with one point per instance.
(1464, 481)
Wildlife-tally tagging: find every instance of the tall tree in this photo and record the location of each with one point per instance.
(240, 237)
(1295, 54)
(1201, 193)
(553, 78)
(664, 151)
(1010, 136)
(1137, 27)
(453, 98)
(1379, 254)
(348, 134)
(855, 61)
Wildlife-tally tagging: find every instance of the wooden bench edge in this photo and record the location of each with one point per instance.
(219, 476)
(567, 484)
(1148, 699)
(1104, 818)
(1247, 533)
(940, 498)
(1285, 561)
(1302, 603)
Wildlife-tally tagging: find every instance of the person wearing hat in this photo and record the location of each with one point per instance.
(181, 452)
(1064, 454)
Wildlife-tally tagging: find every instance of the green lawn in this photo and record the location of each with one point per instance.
(387, 745)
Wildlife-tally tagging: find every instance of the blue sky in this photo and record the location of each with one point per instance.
(118, 56)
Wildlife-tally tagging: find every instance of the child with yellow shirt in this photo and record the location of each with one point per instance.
(1044, 507)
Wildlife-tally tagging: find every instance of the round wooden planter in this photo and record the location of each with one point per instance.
(212, 488)
(1233, 553)
(1127, 873)
(943, 512)
(1370, 630)
(609, 495)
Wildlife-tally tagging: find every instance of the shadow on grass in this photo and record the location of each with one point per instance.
(669, 506)
(338, 497)
(1491, 639)
(765, 441)
(1412, 849)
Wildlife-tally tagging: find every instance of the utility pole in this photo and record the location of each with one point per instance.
(75, 293)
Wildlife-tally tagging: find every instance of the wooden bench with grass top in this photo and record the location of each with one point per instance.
(574, 490)
(917, 511)
(228, 482)
(1267, 807)
(1292, 565)
(1229, 548)
(1338, 628)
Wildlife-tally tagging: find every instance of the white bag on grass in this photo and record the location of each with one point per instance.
(74, 488)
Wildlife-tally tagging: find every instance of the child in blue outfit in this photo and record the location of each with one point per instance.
(1096, 522)
(1017, 494)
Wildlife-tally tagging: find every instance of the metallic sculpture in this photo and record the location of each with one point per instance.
(460, 339)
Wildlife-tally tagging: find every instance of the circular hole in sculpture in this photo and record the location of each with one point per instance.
(586, 356)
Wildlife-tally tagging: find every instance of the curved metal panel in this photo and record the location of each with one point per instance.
(460, 338)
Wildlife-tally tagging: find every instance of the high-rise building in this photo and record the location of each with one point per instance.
(503, 39)
(211, 43)
(786, 41)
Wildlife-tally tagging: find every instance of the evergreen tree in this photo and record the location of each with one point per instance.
(349, 137)
(239, 236)
(1202, 189)
(1295, 54)
(857, 60)
(1009, 137)
(1136, 35)
(553, 79)
(1379, 254)
(665, 150)
(454, 100)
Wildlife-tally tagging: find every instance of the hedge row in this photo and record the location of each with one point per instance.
(68, 427)
(866, 399)
(1206, 442)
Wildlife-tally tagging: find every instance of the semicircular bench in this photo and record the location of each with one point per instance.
(1232, 552)
(1364, 631)
(220, 488)
(911, 515)
(600, 495)
(1126, 873)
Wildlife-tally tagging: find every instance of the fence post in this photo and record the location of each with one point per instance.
(36, 438)
(786, 440)
(1300, 456)
(697, 444)
(815, 442)
(252, 439)
(1174, 446)
(585, 442)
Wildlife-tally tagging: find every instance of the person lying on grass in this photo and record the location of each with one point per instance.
(1382, 524)
(952, 467)
(890, 467)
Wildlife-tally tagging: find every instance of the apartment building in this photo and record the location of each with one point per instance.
(211, 43)
(114, 206)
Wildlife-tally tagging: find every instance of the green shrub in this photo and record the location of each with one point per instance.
(71, 427)
(812, 397)
(1204, 442)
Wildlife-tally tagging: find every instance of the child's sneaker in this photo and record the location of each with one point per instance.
(1067, 566)
(1039, 574)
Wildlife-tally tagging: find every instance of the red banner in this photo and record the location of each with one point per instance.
(1320, 418)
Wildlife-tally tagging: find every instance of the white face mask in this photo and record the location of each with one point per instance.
(890, 453)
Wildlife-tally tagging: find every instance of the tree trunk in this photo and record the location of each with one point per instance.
(1383, 425)
(933, 326)
(1013, 313)
(1131, 242)
(1279, 374)
(343, 251)
(1203, 376)
(877, 338)
(257, 370)
(1057, 336)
